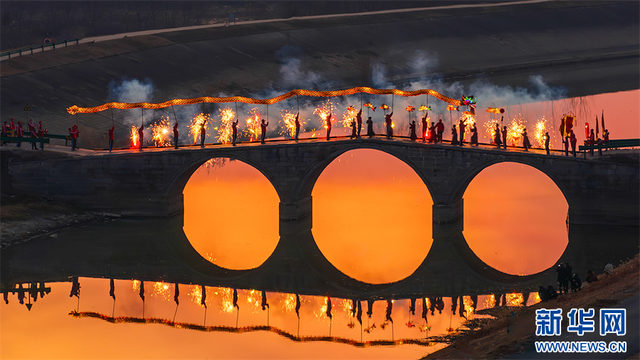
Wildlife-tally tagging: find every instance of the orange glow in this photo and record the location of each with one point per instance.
(224, 129)
(238, 230)
(540, 130)
(359, 206)
(160, 132)
(514, 219)
(196, 124)
(253, 129)
(134, 136)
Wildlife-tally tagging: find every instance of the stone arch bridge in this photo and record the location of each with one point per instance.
(150, 183)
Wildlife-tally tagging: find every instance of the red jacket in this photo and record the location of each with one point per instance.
(440, 126)
(111, 132)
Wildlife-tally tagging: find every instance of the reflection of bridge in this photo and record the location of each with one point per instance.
(151, 183)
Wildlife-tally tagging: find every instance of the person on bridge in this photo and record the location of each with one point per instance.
(389, 123)
(433, 138)
(234, 132)
(525, 140)
(462, 128)
(31, 126)
(203, 132)
(297, 124)
(140, 137)
(263, 130)
(574, 141)
(504, 137)
(546, 142)
(496, 136)
(12, 128)
(41, 132)
(592, 140)
(474, 135)
(19, 132)
(111, 138)
(34, 135)
(412, 131)
(359, 121)
(605, 137)
(354, 130)
(454, 135)
(327, 123)
(370, 132)
(175, 134)
(576, 283)
(591, 277)
(5, 131)
(425, 127)
(74, 133)
(440, 129)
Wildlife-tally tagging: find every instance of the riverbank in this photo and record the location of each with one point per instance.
(511, 333)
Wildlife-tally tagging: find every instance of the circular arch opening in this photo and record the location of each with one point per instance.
(372, 216)
(515, 219)
(231, 214)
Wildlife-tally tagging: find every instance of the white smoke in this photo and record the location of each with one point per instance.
(131, 91)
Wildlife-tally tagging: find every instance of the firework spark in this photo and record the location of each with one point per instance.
(348, 116)
(323, 110)
(196, 123)
(134, 136)
(160, 132)
(288, 123)
(490, 129)
(540, 130)
(515, 130)
(227, 116)
(253, 129)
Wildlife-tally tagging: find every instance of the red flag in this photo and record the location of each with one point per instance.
(597, 130)
(568, 124)
(602, 119)
(562, 127)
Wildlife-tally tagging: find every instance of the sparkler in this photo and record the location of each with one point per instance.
(134, 136)
(253, 125)
(467, 119)
(323, 110)
(490, 129)
(348, 116)
(468, 306)
(161, 289)
(196, 123)
(515, 130)
(160, 132)
(540, 130)
(227, 116)
(288, 123)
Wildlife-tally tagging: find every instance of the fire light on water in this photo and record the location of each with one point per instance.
(134, 136)
(323, 110)
(348, 116)
(160, 132)
(136, 285)
(162, 289)
(288, 302)
(322, 312)
(490, 302)
(196, 294)
(196, 123)
(515, 299)
(227, 116)
(515, 130)
(540, 130)
(253, 129)
(226, 297)
(254, 299)
(468, 306)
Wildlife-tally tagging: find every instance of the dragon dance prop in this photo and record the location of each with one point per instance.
(298, 92)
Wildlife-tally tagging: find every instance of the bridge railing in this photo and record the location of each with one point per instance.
(44, 47)
(611, 144)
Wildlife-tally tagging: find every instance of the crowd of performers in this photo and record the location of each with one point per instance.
(12, 130)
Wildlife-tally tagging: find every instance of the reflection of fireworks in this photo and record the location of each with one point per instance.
(323, 110)
(536, 298)
(540, 130)
(490, 302)
(134, 136)
(288, 123)
(160, 132)
(345, 305)
(196, 123)
(514, 299)
(468, 306)
(253, 125)
(196, 294)
(136, 285)
(515, 130)
(254, 299)
(289, 302)
(161, 289)
(348, 116)
(224, 130)
(490, 129)
(226, 294)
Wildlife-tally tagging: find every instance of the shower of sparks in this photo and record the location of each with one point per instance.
(490, 302)
(468, 306)
(323, 110)
(515, 299)
(348, 116)
(160, 132)
(288, 123)
(515, 130)
(227, 116)
(196, 122)
(540, 130)
(253, 129)
(134, 136)
(161, 289)
(467, 120)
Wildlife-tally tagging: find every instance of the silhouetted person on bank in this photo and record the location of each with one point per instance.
(591, 277)
(412, 131)
(203, 133)
(327, 122)
(354, 130)
(263, 131)
(504, 137)
(454, 136)
(140, 137)
(440, 130)
(425, 126)
(111, 138)
(462, 127)
(359, 122)
(175, 134)
(543, 294)
(474, 135)
(561, 273)
(525, 140)
(389, 123)
(234, 132)
(552, 292)
(496, 136)
(370, 132)
(297, 125)
(574, 141)
(568, 274)
(546, 142)
(576, 283)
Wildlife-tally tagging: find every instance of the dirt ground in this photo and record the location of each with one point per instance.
(512, 331)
